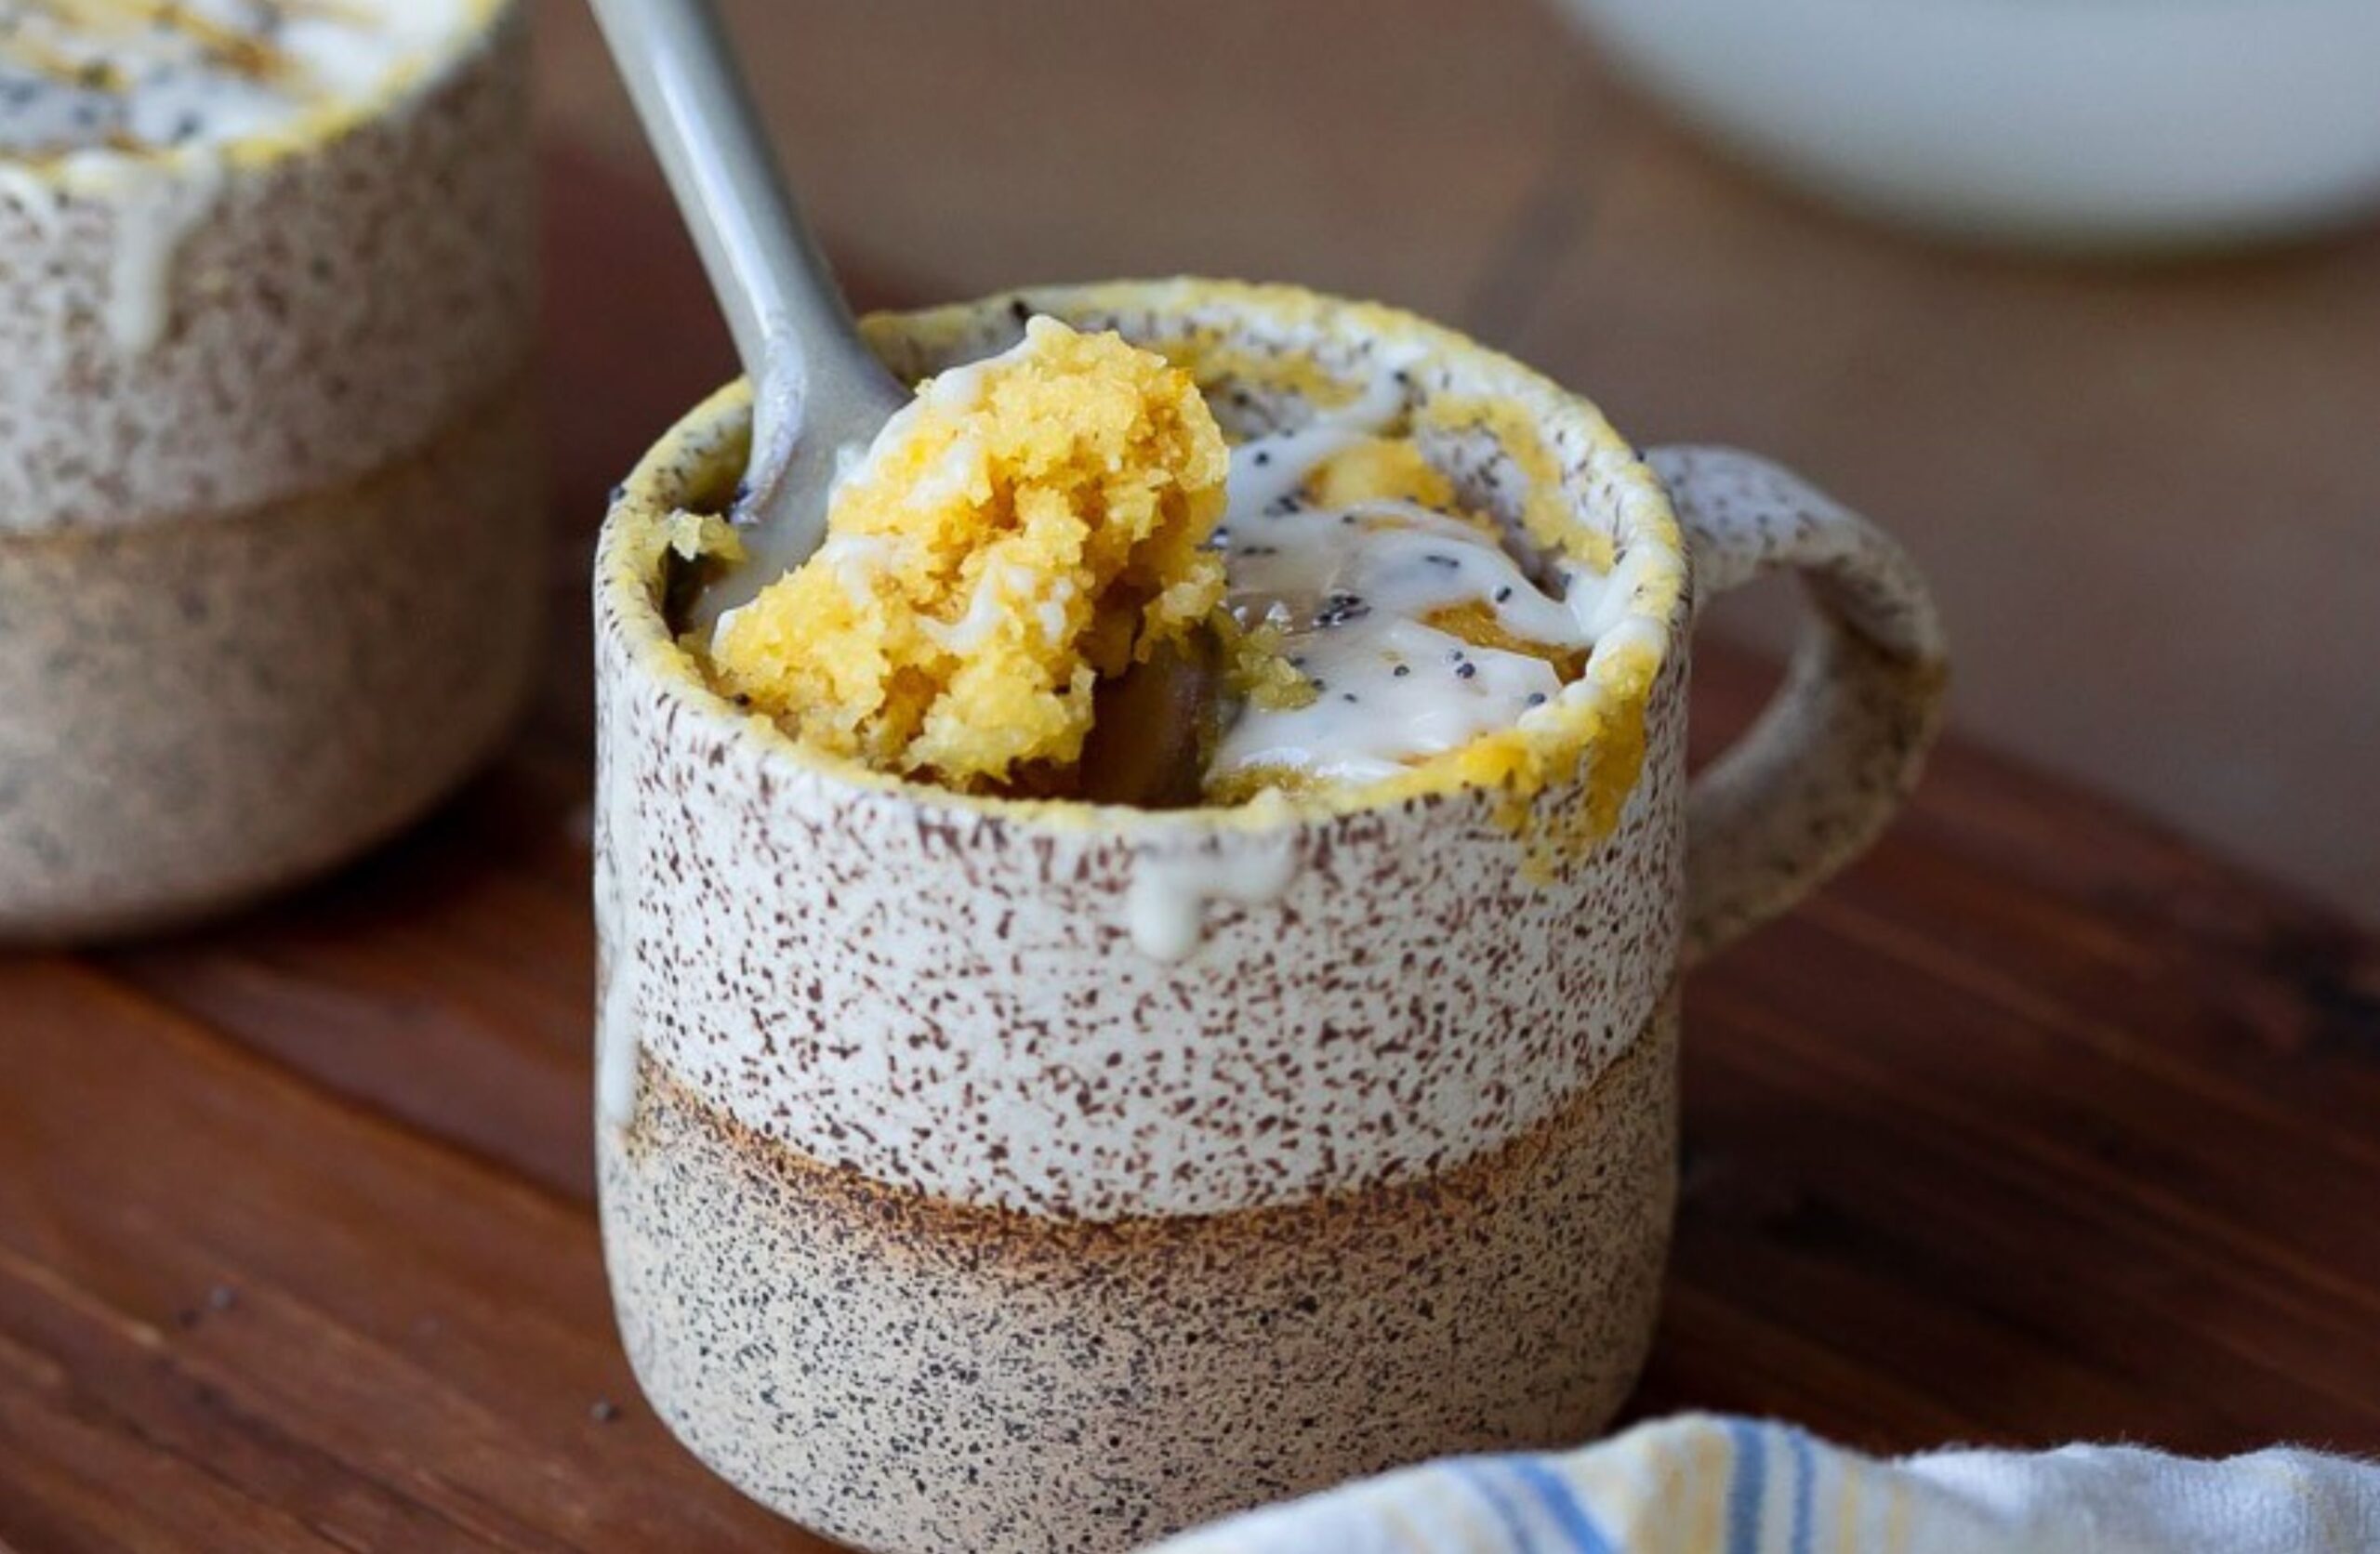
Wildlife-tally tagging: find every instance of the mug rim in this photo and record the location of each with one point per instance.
(309, 131)
(710, 439)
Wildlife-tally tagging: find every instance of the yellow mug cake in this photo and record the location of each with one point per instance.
(1042, 529)
(1000, 1153)
(269, 515)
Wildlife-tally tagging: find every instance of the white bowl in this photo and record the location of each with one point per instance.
(2133, 124)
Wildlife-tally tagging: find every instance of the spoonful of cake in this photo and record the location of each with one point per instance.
(816, 387)
(1015, 555)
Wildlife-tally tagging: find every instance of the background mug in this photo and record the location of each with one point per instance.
(270, 539)
(953, 1199)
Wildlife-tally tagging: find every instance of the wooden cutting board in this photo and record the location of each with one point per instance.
(2038, 1124)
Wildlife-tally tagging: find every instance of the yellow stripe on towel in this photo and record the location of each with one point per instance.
(1847, 1510)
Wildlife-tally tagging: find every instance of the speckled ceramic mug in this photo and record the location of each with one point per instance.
(270, 526)
(944, 1214)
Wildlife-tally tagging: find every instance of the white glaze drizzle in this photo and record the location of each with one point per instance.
(147, 139)
(157, 206)
(168, 86)
(1350, 590)
(1166, 906)
(999, 592)
(1429, 711)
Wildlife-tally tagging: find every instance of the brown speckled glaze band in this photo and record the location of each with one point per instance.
(940, 1216)
(270, 585)
(1071, 1384)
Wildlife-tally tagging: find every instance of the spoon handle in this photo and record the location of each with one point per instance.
(792, 328)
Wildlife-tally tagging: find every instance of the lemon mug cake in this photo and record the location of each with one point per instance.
(268, 497)
(1010, 1144)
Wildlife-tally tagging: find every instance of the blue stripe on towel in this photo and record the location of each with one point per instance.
(1554, 1491)
(1473, 1471)
(1746, 1486)
(1805, 1483)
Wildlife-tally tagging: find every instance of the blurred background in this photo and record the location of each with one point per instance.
(2146, 484)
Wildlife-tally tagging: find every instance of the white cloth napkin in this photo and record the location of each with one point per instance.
(1698, 1484)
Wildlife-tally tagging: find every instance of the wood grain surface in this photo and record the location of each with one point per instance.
(2038, 1124)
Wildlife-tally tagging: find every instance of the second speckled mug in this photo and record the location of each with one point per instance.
(270, 548)
(946, 1211)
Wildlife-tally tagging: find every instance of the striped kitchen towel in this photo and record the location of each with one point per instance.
(1703, 1485)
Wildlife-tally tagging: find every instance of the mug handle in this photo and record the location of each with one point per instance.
(1815, 778)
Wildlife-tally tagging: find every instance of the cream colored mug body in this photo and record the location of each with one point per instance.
(952, 1201)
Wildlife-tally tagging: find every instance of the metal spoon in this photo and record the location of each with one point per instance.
(816, 387)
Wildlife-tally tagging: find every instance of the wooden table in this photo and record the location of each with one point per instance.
(2037, 1125)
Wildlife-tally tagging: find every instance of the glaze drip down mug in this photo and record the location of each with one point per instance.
(989, 1175)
